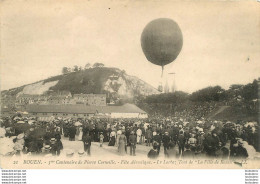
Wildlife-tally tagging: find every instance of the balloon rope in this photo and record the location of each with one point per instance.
(162, 78)
(162, 71)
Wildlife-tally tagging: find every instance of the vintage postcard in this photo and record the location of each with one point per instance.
(116, 84)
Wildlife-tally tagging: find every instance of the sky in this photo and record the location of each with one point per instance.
(221, 40)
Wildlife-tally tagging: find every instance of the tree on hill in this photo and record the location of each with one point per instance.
(76, 68)
(250, 91)
(65, 70)
(87, 66)
(123, 72)
(208, 94)
(175, 97)
(98, 65)
(236, 87)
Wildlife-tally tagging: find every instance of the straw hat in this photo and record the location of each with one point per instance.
(47, 147)
(81, 152)
(69, 153)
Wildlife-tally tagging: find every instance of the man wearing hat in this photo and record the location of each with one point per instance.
(175, 133)
(46, 150)
(132, 142)
(200, 141)
(87, 142)
(55, 148)
(181, 142)
(72, 132)
(166, 140)
(157, 139)
(148, 136)
(66, 128)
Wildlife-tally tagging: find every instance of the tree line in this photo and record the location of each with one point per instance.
(76, 68)
(236, 92)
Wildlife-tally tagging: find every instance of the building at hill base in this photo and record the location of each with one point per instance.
(83, 111)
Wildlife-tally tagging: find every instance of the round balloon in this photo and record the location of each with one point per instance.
(161, 41)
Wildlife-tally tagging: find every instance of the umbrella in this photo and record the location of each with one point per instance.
(30, 122)
(77, 123)
(199, 122)
(146, 124)
(16, 118)
(251, 124)
(185, 123)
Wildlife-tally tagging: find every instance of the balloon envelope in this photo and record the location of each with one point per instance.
(161, 41)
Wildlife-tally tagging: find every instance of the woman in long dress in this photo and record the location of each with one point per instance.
(112, 140)
(121, 144)
(80, 134)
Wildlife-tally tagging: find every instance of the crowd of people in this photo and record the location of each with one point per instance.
(189, 110)
(171, 137)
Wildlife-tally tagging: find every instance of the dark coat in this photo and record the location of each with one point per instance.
(240, 152)
(132, 139)
(72, 132)
(57, 136)
(86, 139)
(157, 138)
(148, 134)
(181, 139)
(166, 139)
(55, 148)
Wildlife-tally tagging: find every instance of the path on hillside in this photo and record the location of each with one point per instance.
(219, 110)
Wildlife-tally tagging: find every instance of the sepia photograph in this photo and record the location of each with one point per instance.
(130, 84)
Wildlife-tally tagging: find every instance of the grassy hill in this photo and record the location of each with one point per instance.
(233, 114)
(86, 81)
(99, 80)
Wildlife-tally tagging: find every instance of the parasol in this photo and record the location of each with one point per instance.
(30, 122)
(77, 123)
(17, 118)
